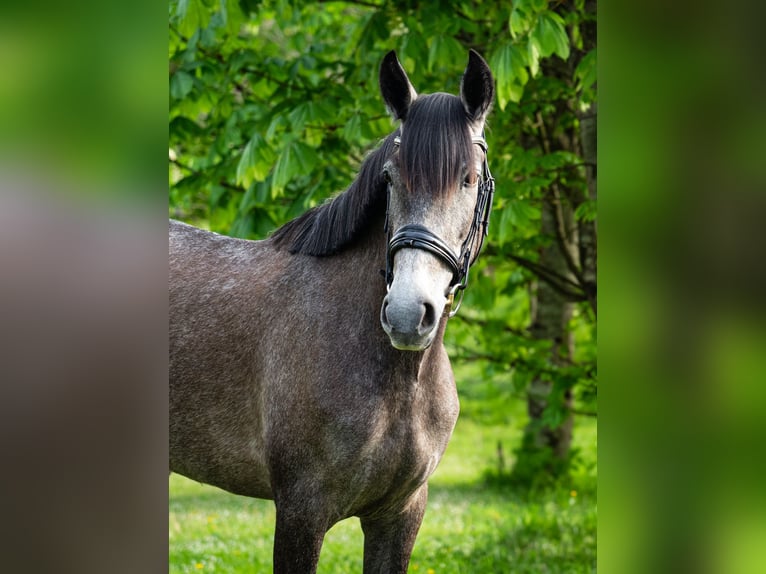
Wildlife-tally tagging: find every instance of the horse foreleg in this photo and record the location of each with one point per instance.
(388, 540)
(297, 541)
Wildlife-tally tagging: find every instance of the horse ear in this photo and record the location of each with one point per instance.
(395, 86)
(477, 88)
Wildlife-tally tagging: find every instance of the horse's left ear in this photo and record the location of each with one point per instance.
(477, 88)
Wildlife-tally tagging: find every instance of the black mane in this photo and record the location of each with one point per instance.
(328, 228)
(434, 152)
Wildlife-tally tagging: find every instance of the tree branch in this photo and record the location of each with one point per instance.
(358, 3)
(562, 237)
(192, 171)
(575, 411)
(552, 278)
(481, 323)
(561, 233)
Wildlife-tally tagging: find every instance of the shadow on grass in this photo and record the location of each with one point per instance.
(521, 548)
(214, 499)
(489, 489)
(492, 527)
(491, 485)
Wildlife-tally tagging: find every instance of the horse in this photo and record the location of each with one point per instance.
(298, 373)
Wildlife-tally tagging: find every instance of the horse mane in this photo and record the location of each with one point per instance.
(328, 228)
(434, 151)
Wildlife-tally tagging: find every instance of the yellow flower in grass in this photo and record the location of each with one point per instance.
(199, 565)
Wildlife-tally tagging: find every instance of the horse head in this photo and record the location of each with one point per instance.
(439, 198)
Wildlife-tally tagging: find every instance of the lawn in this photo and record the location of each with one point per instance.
(471, 525)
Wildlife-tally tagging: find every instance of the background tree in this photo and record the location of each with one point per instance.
(273, 105)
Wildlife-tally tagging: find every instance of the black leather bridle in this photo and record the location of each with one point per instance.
(414, 236)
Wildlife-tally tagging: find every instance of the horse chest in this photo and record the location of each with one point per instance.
(400, 452)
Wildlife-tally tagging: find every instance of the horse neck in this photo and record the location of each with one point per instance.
(359, 267)
(360, 287)
(365, 282)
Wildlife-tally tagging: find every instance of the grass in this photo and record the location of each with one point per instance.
(471, 525)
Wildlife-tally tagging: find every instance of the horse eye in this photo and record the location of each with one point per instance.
(386, 176)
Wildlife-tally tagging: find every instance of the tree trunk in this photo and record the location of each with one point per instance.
(587, 229)
(550, 319)
(571, 253)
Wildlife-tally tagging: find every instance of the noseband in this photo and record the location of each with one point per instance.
(416, 236)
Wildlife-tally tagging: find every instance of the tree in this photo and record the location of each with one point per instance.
(273, 105)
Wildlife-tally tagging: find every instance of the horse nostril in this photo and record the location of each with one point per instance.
(428, 320)
(383, 317)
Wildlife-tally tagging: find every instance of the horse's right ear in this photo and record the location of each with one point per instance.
(395, 86)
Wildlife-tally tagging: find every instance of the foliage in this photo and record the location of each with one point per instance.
(273, 105)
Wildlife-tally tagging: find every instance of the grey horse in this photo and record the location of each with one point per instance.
(298, 373)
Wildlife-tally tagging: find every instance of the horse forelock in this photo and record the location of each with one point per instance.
(329, 228)
(436, 146)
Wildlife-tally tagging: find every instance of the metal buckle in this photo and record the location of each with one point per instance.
(448, 310)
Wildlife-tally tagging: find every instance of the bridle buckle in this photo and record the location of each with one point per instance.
(448, 310)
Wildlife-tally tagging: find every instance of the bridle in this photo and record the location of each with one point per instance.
(416, 236)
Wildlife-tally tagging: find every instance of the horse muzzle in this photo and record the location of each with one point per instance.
(410, 322)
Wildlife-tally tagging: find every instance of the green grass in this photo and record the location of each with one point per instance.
(470, 525)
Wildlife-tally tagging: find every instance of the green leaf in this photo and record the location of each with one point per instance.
(585, 73)
(302, 113)
(508, 64)
(256, 161)
(519, 22)
(516, 92)
(414, 48)
(557, 160)
(181, 83)
(256, 222)
(191, 15)
(533, 56)
(515, 217)
(444, 50)
(277, 122)
(297, 158)
(551, 35)
(586, 211)
(518, 65)
(249, 199)
(500, 62)
(522, 213)
(505, 227)
(560, 35)
(184, 128)
(217, 193)
(352, 131)
(232, 15)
